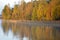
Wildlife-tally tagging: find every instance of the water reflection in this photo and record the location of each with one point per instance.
(25, 32)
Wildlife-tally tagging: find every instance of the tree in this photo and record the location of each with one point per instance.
(55, 6)
(22, 9)
(6, 13)
(28, 11)
(34, 11)
(56, 13)
(41, 10)
(15, 14)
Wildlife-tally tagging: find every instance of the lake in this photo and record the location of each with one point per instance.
(28, 31)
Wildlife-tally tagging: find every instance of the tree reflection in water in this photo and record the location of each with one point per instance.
(31, 32)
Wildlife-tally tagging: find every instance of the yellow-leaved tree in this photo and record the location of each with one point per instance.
(41, 11)
(55, 9)
(6, 13)
(15, 13)
(34, 11)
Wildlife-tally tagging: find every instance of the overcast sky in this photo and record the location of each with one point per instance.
(11, 2)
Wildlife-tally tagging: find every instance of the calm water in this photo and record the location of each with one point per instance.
(17, 31)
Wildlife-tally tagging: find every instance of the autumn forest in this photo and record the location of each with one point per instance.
(34, 10)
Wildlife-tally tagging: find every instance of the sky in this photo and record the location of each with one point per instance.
(11, 2)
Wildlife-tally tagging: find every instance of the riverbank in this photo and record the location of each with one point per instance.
(34, 23)
(12, 20)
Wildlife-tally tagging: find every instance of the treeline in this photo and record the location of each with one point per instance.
(34, 10)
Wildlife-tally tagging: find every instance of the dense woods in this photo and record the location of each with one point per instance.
(34, 10)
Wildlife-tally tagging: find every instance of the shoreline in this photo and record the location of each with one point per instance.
(35, 23)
